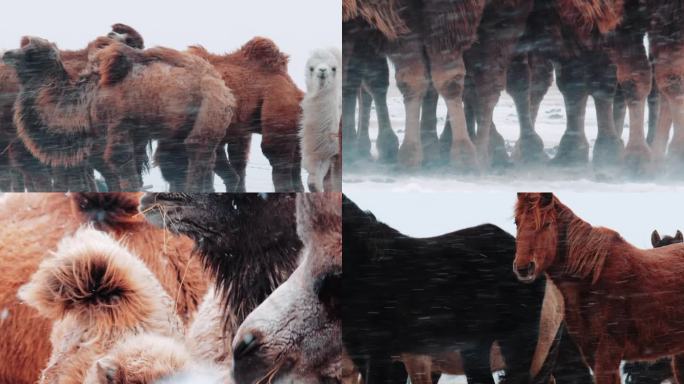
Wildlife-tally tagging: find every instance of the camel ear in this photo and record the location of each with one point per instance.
(26, 40)
(679, 237)
(655, 238)
(106, 370)
(545, 199)
(114, 67)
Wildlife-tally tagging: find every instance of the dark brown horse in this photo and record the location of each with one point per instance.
(621, 302)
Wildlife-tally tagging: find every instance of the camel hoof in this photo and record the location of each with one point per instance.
(388, 146)
(498, 152)
(638, 160)
(432, 156)
(608, 151)
(464, 156)
(573, 150)
(363, 148)
(530, 149)
(411, 155)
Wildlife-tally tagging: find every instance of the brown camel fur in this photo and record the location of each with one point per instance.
(268, 102)
(621, 302)
(186, 109)
(14, 157)
(33, 224)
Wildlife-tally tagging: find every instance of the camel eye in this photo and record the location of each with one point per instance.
(334, 69)
(311, 69)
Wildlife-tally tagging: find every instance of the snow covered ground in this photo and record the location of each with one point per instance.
(550, 126)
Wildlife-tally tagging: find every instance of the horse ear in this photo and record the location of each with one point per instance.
(679, 237)
(545, 198)
(655, 238)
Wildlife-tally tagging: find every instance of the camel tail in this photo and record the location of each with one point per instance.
(93, 278)
(266, 53)
(109, 211)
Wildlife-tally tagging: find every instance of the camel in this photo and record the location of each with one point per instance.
(320, 126)
(101, 117)
(19, 169)
(33, 224)
(268, 102)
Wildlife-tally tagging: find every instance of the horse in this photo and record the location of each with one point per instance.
(621, 302)
(430, 295)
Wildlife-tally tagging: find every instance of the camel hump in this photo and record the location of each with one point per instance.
(199, 50)
(265, 52)
(108, 211)
(115, 65)
(94, 279)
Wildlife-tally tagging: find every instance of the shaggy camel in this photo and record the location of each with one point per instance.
(33, 224)
(112, 320)
(320, 126)
(102, 119)
(16, 162)
(267, 103)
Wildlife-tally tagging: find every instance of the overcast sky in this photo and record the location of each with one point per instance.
(634, 215)
(297, 26)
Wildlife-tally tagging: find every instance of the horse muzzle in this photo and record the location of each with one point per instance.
(526, 273)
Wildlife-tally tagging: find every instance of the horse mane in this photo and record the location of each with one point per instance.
(584, 16)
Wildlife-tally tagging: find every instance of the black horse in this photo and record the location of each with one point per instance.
(429, 295)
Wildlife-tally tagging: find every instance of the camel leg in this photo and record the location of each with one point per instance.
(5, 168)
(574, 147)
(541, 78)
(333, 180)
(413, 80)
(172, 159)
(653, 111)
(296, 169)
(225, 170)
(278, 149)
(363, 143)
(529, 148)
(201, 159)
(662, 134)
(602, 82)
(377, 80)
(619, 111)
(238, 153)
(351, 82)
(428, 127)
(448, 72)
(37, 177)
(635, 77)
(315, 179)
(670, 78)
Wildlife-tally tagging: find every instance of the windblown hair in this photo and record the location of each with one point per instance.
(97, 281)
(382, 15)
(586, 16)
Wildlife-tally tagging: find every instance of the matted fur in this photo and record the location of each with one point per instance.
(268, 102)
(385, 16)
(625, 304)
(586, 16)
(33, 224)
(451, 25)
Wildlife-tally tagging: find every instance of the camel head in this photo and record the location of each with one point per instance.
(36, 58)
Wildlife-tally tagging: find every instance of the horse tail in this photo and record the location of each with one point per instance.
(93, 279)
(108, 211)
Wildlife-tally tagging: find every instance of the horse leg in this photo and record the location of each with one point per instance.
(225, 170)
(476, 364)
(570, 368)
(529, 148)
(419, 368)
(377, 80)
(635, 77)
(678, 368)
(607, 359)
(428, 127)
(385, 372)
(448, 72)
(363, 143)
(573, 148)
(517, 350)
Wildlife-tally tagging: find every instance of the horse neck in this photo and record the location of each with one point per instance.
(582, 249)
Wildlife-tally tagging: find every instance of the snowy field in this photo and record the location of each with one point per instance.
(633, 215)
(296, 27)
(550, 125)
